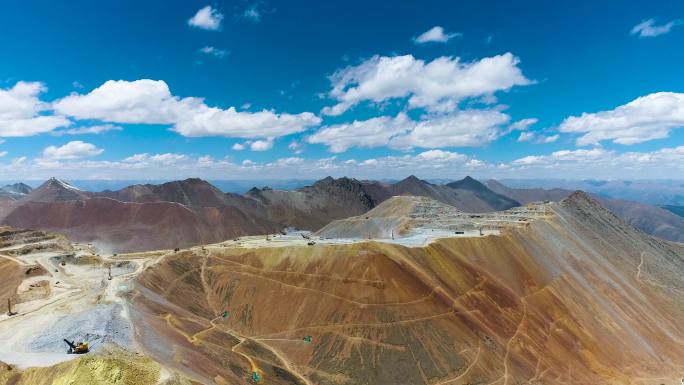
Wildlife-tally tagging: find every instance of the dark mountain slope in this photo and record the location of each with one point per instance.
(495, 201)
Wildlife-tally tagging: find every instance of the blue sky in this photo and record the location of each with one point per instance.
(269, 89)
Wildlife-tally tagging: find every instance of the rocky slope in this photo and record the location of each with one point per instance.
(122, 226)
(575, 297)
(650, 219)
(492, 199)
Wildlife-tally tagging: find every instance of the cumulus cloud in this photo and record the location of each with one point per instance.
(459, 129)
(21, 108)
(374, 132)
(648, 28)
(213, 51)
(261, 145)
(435, 35)
(438, 85)
(151, 102)
(646, 118)
(469, 128)
(254, 145)
(208, 18)
(72, 150)
(3, 153)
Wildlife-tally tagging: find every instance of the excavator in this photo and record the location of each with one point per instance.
(77, 347)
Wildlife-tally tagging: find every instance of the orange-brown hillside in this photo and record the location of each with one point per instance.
(580, 298)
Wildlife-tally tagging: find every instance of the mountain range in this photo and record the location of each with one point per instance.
(193, 211)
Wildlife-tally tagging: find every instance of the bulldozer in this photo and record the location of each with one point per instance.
(77, 347)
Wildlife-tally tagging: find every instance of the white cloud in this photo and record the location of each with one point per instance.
(526, 136)
(72, 150)
(591, 163)
(602, 163)
(252, 13)
(646, 118)
(20, 111)
(147, 160)
(596, 156)
(261, 145)
(374, 132)
(474, 163)
(207, 18)
(95, 129)
(151, 102)
(549, 139)
(3, 153)
(648, 28)
(438, 85)
(296, 147)
(441, 156)
(523, 124)
(467, 128)
(436, 35)
(254, 145)
(213, 51)
(19, 161)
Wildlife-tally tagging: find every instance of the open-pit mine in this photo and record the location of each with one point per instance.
(412, 292)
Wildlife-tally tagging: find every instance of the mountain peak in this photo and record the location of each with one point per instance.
(494, 200)
(411, 182)
(325, 181)
(580, 198)
(468, 183)
(55, 190)
(58, 183)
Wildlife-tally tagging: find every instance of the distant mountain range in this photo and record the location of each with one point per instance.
(652, 192)
(193, 211)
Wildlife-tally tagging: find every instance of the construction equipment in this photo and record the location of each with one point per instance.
(77, 348)
(110, 272)
(307, 339)
(256, 377)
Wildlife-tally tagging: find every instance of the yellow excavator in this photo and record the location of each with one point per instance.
(77, 347)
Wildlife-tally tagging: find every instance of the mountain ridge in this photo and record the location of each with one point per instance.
(263, 210)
